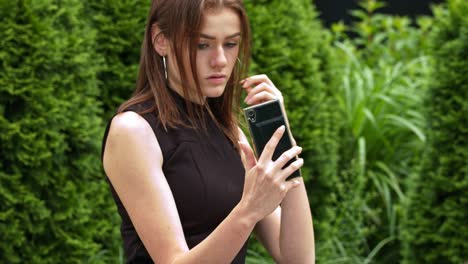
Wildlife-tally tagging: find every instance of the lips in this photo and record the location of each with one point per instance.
(217, 78)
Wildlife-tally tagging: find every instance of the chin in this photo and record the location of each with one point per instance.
(213, 92)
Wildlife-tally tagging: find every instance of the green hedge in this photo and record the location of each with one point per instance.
(55, 204)
(292, 48)
(435, 230)
(120, 26)
(67, 64)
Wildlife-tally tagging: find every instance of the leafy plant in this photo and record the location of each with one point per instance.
(385, 69)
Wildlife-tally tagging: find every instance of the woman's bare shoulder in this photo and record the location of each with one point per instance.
(129, 122)
(133, 164)
(131, 133)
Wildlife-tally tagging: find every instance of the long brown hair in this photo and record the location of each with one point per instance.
(180, 21)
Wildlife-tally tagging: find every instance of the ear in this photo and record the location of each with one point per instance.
(160, 42)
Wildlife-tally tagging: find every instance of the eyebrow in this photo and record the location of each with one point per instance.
(211, 37)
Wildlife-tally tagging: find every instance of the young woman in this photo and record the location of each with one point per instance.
(182, 173)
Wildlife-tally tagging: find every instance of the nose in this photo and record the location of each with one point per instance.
(219, 59)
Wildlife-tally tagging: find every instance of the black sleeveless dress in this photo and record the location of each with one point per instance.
(206, 177)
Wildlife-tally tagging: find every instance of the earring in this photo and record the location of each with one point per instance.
(165, 67)
(239, 61)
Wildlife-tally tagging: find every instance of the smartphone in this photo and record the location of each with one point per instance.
(263, 120)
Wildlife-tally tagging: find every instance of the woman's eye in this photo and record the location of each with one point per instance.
(202, 46)
(230, 44)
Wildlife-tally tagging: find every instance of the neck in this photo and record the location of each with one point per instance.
(192, 96)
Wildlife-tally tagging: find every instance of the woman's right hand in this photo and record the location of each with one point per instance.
(265, 181)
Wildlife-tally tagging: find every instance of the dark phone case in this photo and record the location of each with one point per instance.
(263, 120)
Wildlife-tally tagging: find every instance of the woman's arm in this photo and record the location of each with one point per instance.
(287, 233)
(133, 162)
(297, 234)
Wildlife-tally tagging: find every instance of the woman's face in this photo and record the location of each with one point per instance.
(217, 52)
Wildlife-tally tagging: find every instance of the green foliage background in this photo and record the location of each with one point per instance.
(435, 226)
(293, 49)
(121, 26)
(55, 205)
(380, 117)
(385, 69)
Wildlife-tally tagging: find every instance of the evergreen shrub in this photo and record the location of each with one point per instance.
(435, 229)
(120, 26)
(292, 48)
(55, 204)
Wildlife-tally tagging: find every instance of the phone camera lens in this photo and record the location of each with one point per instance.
(251, 115)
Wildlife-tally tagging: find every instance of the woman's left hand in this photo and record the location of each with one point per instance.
(260, 89)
